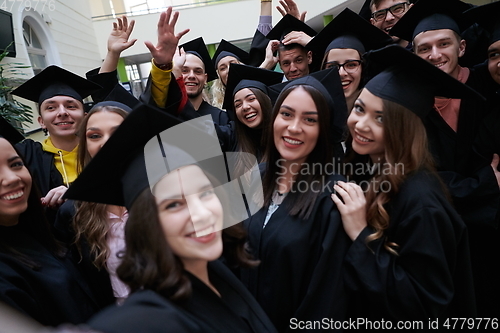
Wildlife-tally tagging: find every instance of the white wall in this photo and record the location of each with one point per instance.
(231, 21)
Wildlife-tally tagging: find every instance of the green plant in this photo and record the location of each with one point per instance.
(10, 109)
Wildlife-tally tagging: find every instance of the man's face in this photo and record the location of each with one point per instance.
(295, 62)
(494, 61)
(61, 116)
(193, 73)
(441, 48)
(392, 17)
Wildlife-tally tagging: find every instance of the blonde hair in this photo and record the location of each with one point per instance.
(217, 92)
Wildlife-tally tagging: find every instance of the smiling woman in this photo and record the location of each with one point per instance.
(35, 276)
(409, 257)
(173, 234)
(297, 235)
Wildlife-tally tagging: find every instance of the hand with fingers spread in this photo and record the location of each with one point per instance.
(163, 52)
(352, 207)
(118, 41)
(271, 60)
(296, 37)
(290, 7)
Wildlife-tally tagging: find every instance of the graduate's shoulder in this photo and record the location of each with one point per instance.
(144, 311)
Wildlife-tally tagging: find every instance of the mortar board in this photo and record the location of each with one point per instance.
(412, 82)
(226, 49)
(120, 171)
(199, 48)
(488, 17)
(129, 164)
(328, 83)
(347, 31)
(119, 97)
(8, 132)
(55, 81)
(366, 12)
(243, 76)
(288, 24)
(427, 15)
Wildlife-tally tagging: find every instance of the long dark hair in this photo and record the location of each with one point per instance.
(301, 204)
(150, 263)
(33, 222)
(252, 140)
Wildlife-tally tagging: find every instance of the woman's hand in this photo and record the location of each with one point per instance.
(352, 207)
(53, 198)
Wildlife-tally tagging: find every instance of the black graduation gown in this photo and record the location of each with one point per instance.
(431, 277)
(220, 117)
(98, 279)
(485, 246)
(41, 165)
(106, 80)
(148, 312)
(53, 294)
(469, 178)
(300, 271)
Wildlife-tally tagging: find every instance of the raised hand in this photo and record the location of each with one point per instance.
(290, 7)
(118, 40)
(166, 46)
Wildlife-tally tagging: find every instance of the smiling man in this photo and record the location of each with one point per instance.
(59, 94)
(452, 127)
(196, 68)
(288, 39)
(386, 13)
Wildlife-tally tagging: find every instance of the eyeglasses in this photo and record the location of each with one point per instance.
(396, 10)
(350, 66)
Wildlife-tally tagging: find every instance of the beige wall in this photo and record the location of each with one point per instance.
(66, 32)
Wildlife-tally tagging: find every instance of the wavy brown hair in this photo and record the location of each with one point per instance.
(406, 146)
(150, 263)
(91, 219)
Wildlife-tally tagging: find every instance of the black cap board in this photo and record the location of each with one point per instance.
(288, 24)
(119, 97)
(348, 31)
(199, 48)
(427, 15)
(412, 82)
(120, 171)
(55, 81)
(243, 76)
(488, 17)
(226, 49)
(328, 83)
(101, 180)
(365, 12)
(8, 132)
